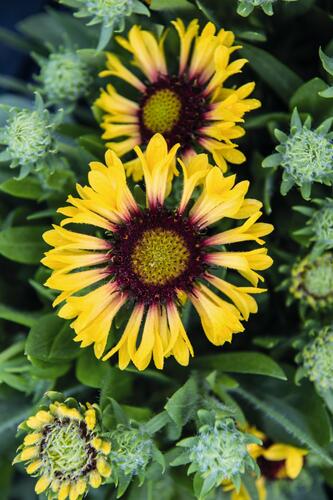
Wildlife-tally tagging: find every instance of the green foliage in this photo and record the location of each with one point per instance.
(180, 433)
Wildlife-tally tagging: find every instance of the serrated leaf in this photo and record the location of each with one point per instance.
(182, 404)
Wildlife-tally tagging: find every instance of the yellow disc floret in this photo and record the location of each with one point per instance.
(160, 256)
(161, 111)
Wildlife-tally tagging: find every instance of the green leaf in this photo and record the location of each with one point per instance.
(28, 189)
(23, 244)
(254, 363)
(183, 403)
(307, 99)
(51, 339)
(90, 371)
(277, 410)
(170, 5)
(25, 318)
(278, 76)
(327, 62)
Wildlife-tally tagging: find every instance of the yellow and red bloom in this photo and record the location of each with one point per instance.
(149, 259)
(189, 105)
(63, 447)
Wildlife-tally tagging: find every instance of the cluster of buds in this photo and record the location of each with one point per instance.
(245, 7)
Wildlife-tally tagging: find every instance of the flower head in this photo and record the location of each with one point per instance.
(312, 281)
(245, 7)
(190, 105)
(319, 227)
(149, 259)
(131, 451)
(65, 77)
(110, 13)
(218, 453)
(317, 358)
(28, 137)
(305, 155)
(64, 448)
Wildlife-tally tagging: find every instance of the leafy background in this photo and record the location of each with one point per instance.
(256, 374)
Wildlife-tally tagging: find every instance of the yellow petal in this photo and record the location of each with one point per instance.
(42, 484)
(33, 467)
(63, 491)
(103, 467)
(95, 479)
(90, 418)
(28, 453)
(32, 438)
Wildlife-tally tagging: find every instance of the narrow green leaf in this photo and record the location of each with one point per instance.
(276, 74)
(25, 318)
(271, 410)
(254, 363)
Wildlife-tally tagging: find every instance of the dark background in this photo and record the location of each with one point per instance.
(12, 62)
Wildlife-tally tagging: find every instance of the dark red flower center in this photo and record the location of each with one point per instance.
(155, 255)
(175, 107)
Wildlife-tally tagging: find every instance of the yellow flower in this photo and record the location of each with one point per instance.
(243, 493)
(290, 458)
(190, 105)
(277, 460)
(147, 259)
(64, 455)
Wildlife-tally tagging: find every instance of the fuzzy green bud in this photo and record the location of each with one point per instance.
(308, 156)
(245, 7)
(322, 224)
(317, 358)
(131, 450)
(108, 11)
(219, 452)
(64, 77)
(312, 281)
(305, 155)
(28, 137)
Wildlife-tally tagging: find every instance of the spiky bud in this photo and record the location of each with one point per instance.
(29, 139)
(317, 358)
(218, 453)
(131, 450)
(245, 7)
(305, 155)
(64, 77)
(312, 281)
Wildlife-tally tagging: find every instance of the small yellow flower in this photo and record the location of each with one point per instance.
(292, 458)
(191, 105)
(146, 257)
(65, 455)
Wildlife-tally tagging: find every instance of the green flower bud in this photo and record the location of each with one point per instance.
(245, 7)
(29, 139)
(305, 155)
(317, 358)
(131, 450)
(64, 77)
(218, 453)
(312, 281)
(110, 14)
(28, 136)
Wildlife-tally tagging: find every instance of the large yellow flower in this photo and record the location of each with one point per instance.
(147, 260)
(188, 105)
